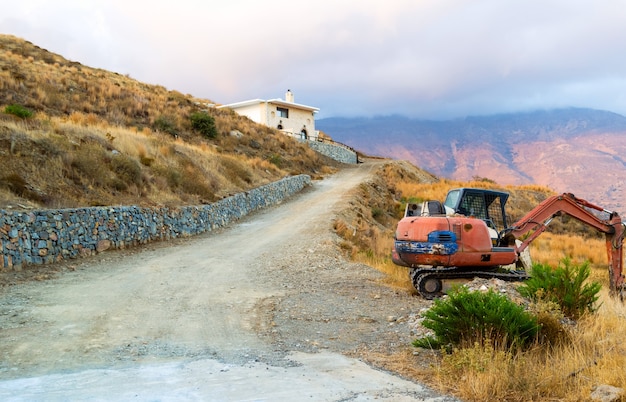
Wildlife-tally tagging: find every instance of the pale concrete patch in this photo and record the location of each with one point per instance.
(311, 377)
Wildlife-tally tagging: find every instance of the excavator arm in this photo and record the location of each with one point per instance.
(536, 222)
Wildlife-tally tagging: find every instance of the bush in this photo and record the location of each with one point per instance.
(126, 169)
(166, 124)
(19, 111)
(377, 213)
(276, 160)
(564, 286)
(204, 124)
(467, 318)
(550, 319)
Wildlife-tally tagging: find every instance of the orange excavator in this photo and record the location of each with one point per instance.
(468, 236)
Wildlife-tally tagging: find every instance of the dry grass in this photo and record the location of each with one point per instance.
(378, 255)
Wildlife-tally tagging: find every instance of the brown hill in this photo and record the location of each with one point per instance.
(571, 150)
(72, 135)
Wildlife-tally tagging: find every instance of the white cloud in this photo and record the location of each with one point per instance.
(426, 58)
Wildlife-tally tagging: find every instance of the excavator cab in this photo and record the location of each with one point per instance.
(487, 205)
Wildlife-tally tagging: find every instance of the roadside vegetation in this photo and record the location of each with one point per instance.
(578, 344)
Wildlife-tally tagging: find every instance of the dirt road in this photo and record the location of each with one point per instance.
(267, 309)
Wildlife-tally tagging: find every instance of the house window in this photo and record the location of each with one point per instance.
(283, 112)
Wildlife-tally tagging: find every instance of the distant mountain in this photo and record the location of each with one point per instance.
(582, 151)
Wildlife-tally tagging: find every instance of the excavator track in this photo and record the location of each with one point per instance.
(428, 281)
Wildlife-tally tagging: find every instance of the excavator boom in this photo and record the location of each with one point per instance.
(536, 221)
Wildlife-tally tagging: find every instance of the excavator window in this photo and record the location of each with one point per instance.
(473, 204)
(494, 211)
(452, 199)
(487, 205)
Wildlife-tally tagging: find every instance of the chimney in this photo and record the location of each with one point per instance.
(289, 96)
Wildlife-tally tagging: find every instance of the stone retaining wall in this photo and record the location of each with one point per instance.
(47, 236)
(337, 152)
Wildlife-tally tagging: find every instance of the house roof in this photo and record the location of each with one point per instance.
(279, 102)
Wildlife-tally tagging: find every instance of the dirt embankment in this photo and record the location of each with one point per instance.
(267, 308)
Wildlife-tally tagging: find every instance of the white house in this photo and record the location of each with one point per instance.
(285, 115)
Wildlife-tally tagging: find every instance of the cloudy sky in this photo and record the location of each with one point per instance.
(432, 59)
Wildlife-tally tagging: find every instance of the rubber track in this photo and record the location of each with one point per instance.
(418, 275)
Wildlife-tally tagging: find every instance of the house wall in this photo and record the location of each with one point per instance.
(255, 112)
(298, 119)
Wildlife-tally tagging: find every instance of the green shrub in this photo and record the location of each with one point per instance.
(18, 110)
(118, 184)
(276, 160)
(564, 286)
(204, 124)
(166, 124)
(467, 318)
(377, 213)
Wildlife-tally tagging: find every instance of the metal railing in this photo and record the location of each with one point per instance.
(317, 138)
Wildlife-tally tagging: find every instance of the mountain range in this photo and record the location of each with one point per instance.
(576, 150)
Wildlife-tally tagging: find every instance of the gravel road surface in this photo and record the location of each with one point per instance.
(267, 309)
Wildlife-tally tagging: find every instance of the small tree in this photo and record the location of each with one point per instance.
(166, 124)
(204, 124)
(566, 286)
(466, 318)
(18, 110)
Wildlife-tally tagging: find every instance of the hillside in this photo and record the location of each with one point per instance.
(73, 135)
(569, 150)
(100, 138)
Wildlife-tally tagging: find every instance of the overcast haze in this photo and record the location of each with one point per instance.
(432, 59)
